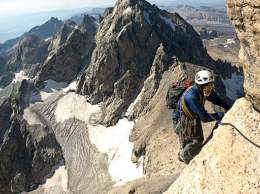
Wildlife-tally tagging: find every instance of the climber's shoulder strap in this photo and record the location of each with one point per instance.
(185, 108)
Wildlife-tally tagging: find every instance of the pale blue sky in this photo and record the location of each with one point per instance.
(31, 6)
(19, 16)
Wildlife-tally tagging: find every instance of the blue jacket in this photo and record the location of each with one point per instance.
(192, 99)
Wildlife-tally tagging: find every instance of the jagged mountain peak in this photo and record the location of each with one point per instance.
(62, 35)
(132, 3)
(29, 50)
(47, 29)
(89, 24)
(53, 19)
(144, 14)
(127, 44)
(70, 23)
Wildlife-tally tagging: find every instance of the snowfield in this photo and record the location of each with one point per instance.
(20, 76)
(115, 142)
(31, 117)
(59, 179)
(74, 106)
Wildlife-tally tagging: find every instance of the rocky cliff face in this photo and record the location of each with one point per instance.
(69, 50)
(24, 58)
(128, 42)
(27, 153)
(89, 24)
(245, 16)
(48, 29)
(2, 63)
(30, 50)
(140, 50)
(61, 36)
(230, 163)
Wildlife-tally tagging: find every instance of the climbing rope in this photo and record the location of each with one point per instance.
(233, 126)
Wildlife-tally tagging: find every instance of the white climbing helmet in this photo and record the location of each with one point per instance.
(204, 77)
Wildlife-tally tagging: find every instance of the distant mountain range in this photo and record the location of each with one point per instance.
(12, 26)
(15, 25)
(189, 2)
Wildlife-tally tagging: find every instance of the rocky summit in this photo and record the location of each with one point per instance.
(29, 50)
(245, 17)
(133, 40)
(85, 110)
(69, 49)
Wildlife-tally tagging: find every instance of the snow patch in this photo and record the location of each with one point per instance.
(31, 117)
(127, 11)
(138, 98)
(231, 41)
(20, 76)
(47, 39)
(97, 24)
(132, 105)
(71, 86)
(60, 178)
(234, 86)
(168, 21)
(115, 142)
(74, 106)
(49, 57)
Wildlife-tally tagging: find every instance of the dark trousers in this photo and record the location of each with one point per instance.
(190, 137)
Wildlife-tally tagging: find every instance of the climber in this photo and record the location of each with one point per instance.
(190, 112)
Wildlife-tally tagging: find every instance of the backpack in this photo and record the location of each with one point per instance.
(175, 92)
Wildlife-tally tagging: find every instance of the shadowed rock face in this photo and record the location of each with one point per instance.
(128, 42)
(69, 49)
(2, 63)
(27, 153)
(245, 16)
(30, 50)
(89, 24)
(61, 36)
(86, 168)
(48, 29)
(64, 64)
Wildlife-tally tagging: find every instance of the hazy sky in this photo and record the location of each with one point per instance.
(30, 6)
